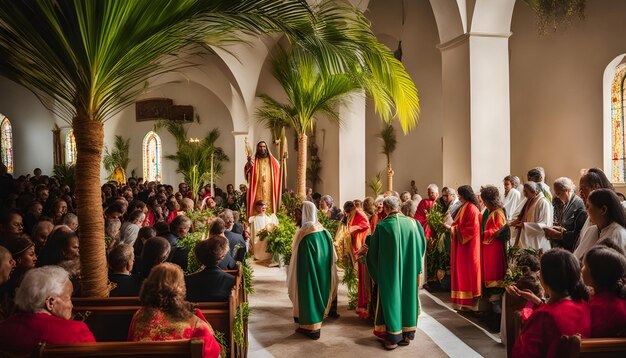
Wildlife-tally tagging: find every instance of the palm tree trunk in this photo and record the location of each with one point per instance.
(302, 154)
(389, 177)
(89, 136)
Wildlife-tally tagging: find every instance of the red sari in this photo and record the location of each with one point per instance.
(494, 261)
(540, 335)
(154, 325)
(420, 214)
(465, 257)
(359, 219)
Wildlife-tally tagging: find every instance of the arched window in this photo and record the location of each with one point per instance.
(151, 157)
(6, 143)
(618, 135)
(70, 148)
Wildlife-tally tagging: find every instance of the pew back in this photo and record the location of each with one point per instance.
(167, 349)
(575, 346)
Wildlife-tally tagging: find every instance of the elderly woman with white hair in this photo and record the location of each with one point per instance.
(569, 215)
(535, 215)
(44, 304)
(327, 208)
(312, 276)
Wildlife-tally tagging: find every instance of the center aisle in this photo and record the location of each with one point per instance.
(272, 330)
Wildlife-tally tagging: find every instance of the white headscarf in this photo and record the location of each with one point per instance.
(309, 214)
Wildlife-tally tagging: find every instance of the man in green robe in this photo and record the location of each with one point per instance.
(394, 257)
(312, 275)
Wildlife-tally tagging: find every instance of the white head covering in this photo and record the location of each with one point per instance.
(309, 213)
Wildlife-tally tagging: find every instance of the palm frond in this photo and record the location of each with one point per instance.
(93, 58)
(390, 142)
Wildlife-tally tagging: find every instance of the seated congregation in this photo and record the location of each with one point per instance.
(160, 290)
(543, 265)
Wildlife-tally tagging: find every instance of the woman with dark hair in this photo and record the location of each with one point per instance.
(493, 259)
(155, 251)
(211, 284)
(11, 225)
(166, 315)
(604, 269)
(465, 267)
(565, 313)
(608, 216)
(592, 180)
(62, 249)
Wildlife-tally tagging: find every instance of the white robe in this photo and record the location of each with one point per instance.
(593, 236)
(510, 203)
(258, 223)
(539, 216)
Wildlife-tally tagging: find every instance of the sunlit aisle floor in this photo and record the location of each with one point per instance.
(441, 331)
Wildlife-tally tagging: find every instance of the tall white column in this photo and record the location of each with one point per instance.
(352, 150)
(476, 110)
(240, 157)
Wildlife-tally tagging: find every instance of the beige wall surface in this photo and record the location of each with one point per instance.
(419, 155)
(556, 89)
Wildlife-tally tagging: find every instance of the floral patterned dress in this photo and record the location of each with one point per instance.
(150, 324)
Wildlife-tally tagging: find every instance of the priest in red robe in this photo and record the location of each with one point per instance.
(359, 228)
(424, 207)
(264, 180)
(465, 255)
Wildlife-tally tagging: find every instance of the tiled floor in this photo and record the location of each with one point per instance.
(441, 332)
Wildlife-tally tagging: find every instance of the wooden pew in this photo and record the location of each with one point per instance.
(109, 318)
(167, 349)
(575, 347)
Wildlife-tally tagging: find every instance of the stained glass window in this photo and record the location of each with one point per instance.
(6, 144)
(618, 108)
(70, 148)
(152, 157)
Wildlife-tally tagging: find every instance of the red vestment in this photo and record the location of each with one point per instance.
(540, 335)
(359, 219)
(465, 260)
(608, 315)
(494, 260)
(420, 214)
(250, 172)
(21, 332)
(154, 325)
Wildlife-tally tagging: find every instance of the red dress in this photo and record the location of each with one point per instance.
(154, 325)
(420, 214)
(493, 259)
(465, 260)
(359, 219)
(608, 315)
(540, 335)
(21, 332)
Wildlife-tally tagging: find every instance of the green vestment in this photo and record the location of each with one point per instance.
(314, 278)
(394, 260)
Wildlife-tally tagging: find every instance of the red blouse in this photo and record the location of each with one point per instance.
(608, 315)
(21, 332)
(154, 325)
(540, 335)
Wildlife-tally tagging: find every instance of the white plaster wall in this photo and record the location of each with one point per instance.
(556, 89)
(211, 111)
(419, 154)
(32, 128)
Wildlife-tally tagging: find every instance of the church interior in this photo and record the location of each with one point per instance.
(499, 93)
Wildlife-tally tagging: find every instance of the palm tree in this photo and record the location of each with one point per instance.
(88, 60)
(194, 158)
(118, 157)
(339, 57)
(388, 136)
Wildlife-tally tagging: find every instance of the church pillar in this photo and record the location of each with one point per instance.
(476, 113)
(351, 150)
(240, 158)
